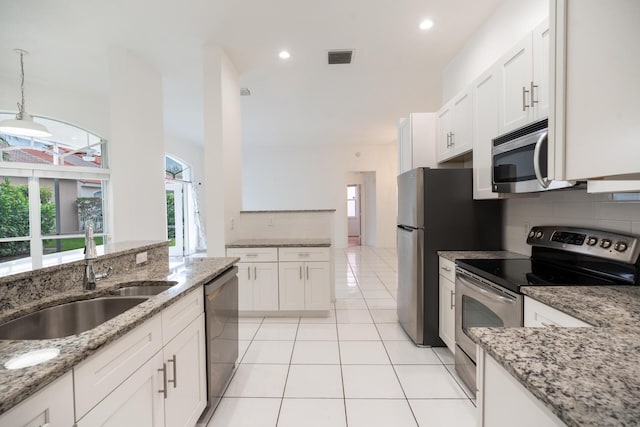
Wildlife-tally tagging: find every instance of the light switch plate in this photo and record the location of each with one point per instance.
(141, 257)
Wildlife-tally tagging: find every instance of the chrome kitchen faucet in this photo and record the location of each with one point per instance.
(90, 253)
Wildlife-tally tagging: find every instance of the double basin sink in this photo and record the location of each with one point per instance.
(80, 316)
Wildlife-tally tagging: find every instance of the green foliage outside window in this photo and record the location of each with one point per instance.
(14, 215)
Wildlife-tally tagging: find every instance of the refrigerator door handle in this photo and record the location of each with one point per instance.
(407, 228)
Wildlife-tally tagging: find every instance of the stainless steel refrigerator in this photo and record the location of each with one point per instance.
(436, 211)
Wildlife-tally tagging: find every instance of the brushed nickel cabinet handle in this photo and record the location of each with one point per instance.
(300, 272)
(524, 98)
(453, 139)
(446, 268)
(452, 300)
(533, 100)
(307, 272)
(255, 273)
(248, 273)
(164, 380)
(174, 381)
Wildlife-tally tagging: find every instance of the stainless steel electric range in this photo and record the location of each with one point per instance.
(488, 290)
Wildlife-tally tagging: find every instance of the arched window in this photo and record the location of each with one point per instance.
(49, 188)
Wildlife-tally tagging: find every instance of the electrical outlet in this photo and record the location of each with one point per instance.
(141, 257)
(526, 228)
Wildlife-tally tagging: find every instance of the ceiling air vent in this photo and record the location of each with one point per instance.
(340, 56)
(244, 91)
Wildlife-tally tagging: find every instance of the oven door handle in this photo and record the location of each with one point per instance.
(489, 293)
(543, 181)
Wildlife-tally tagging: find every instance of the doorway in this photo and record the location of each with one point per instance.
(175, 218)
(354, 217)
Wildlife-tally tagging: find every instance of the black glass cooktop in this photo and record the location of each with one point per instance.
(514, 273)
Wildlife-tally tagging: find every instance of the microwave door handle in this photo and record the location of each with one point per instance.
(544, 182)
(477, 287)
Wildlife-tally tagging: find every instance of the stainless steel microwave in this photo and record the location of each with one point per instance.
(519, 161)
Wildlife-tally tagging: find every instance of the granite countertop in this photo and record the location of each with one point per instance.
(17, 385)
(454, 255)
(270, 243)
(585, 376)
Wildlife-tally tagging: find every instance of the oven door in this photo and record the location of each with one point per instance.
(480, 303)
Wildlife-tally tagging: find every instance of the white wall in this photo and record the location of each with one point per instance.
(572, 207)
(222, 148)
(511, 21)
(277, 178)
(369, 226)
(136, 149)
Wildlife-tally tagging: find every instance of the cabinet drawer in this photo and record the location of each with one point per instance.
(537, 314)
(254, 254)
(101, 373)
(176, 317)
(448, 269)
(303, 254)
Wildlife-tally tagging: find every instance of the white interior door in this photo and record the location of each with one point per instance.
(175, 218)
(353, 210)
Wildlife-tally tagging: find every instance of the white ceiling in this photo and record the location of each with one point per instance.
(396, 67)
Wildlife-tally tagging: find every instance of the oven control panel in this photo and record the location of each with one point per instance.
(599, 243)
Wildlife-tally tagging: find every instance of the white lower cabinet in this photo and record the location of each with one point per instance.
(258, 286)
(185, 362)
(283, 279)
(51, 406)
(537, 314)
(447, 310)
(153, 376)
(137, 402)
(503, 402)
(303, 286)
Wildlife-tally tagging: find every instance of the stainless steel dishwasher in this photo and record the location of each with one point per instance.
(221, 313)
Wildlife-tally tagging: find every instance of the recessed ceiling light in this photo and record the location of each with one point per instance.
(284, 54)
(426, 24)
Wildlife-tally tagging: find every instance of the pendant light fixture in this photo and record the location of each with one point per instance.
(23, 124)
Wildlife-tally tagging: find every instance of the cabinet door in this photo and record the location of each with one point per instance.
(597, 88)
(461, 129)
(541, 92)
(51, 406)
(245, 286)
(186, 376)
(445, 122)
(317, 292)
(405, 149)
(447, 312)
(485, 128)
(139, 401)
(292, 285)
(516, 75)
(265, 285)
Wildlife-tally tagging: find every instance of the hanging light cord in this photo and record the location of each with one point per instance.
(21, 105)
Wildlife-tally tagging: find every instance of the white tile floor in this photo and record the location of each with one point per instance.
(356, 368)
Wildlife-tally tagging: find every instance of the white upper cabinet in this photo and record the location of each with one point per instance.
(524, 81)
(485, 128)
(416, 141)
(597, 95)
(455, 130)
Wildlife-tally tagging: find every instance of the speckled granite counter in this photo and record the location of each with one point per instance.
(17, 385)
(273, 243)
(585, 376)
(454, 255)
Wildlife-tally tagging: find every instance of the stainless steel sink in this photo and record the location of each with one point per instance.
(144, 288)
(67, 319)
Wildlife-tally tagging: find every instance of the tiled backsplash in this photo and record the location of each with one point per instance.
(569, 207)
